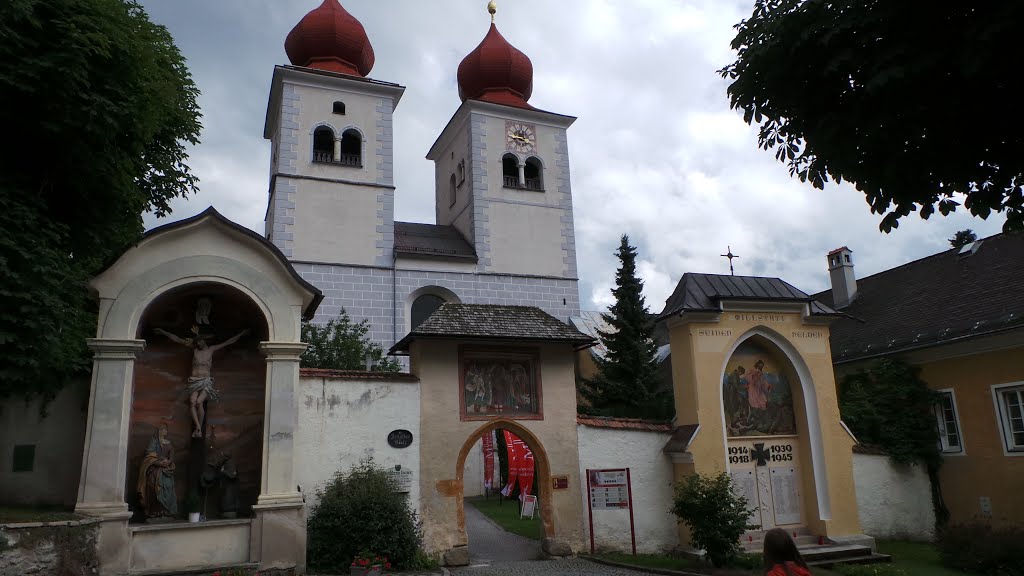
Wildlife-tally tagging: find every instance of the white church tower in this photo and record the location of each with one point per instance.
(502, 168)
(331, 185)
(503, 232)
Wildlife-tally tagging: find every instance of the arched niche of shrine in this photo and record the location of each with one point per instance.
(232, 429)
(767, 434)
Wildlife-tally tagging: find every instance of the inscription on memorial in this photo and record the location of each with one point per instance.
(714, 332)
(785, 496)
(808, 334)
(760, 317)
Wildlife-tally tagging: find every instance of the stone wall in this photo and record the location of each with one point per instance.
(347, 417)
(55, 433)
(651, 478)
(893, 501)
(48, 548)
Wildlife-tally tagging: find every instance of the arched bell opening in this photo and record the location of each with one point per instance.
(219, 461)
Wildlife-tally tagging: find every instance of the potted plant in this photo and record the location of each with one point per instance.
(192, 506)
(369, 564)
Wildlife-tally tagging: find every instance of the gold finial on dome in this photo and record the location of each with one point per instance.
(492, 7)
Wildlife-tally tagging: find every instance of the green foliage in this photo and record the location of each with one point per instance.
(627, 383)
(362, 510)
(907, 104)
(888, 405)
(342, 344)
(102, 107)
(715, 514)
(982, 549)
(963, 238)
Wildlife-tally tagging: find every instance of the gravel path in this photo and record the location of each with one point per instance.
(573, 567)
(490, 544)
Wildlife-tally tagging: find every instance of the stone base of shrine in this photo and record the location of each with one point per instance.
(181, 547)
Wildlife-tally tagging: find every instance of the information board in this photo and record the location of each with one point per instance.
(529, 507)
(610, 490)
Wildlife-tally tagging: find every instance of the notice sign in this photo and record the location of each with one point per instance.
(610, 490)
(402, 477)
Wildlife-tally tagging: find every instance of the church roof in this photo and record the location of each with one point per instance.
(494, 322)
(431, 240)
(329, 38)
(944, 297)
(705, 293)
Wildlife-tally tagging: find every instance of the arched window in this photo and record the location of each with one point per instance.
(510, 170)
(423, 307)
(533, 172)
(452, 192)
(339, 108)
(351, 148)
(323, 144)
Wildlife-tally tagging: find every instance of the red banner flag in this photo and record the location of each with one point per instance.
(512, 457)
(526, 465)
(488, 447)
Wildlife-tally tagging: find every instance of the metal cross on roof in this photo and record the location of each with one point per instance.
(730, 256)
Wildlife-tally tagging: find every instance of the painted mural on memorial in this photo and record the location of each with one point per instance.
(497, 384)
(756, 395)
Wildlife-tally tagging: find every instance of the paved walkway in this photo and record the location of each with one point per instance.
(573, 567)
(490, 544)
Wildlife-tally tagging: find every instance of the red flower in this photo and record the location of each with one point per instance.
(217, 573)
(387, 565)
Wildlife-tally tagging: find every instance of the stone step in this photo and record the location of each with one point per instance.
(865, 559)
(833, 552)
(757, 544)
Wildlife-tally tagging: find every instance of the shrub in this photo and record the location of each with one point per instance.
(982, 549)
(716, 515)
(362, 510)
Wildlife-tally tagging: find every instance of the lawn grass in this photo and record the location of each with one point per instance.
(917, 558)
(506, 514)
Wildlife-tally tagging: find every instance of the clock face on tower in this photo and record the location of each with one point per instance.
(520, 137)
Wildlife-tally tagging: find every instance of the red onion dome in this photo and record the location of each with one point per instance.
(329, 38)
(496, 72)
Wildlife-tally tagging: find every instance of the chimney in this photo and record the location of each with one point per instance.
(844, 282)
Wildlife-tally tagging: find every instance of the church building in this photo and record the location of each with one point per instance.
(503, 200)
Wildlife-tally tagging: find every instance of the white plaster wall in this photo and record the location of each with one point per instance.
(473, 473)
(651, 479)
(893, 501)
(336, 223)
(343, 421)
(526, 239)
(58, 439)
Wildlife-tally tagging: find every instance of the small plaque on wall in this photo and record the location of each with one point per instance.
(560, 482)
(400, 439)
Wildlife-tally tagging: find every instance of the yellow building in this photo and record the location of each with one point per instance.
(959, 316)
(755, 397)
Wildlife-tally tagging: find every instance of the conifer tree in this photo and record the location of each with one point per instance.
(627, 383)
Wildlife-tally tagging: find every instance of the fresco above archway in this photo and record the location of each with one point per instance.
(756, 394)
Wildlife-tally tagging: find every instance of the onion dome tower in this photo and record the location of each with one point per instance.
(329, 38)
(496, 71)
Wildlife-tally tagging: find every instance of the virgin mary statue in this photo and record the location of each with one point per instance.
(156, 477)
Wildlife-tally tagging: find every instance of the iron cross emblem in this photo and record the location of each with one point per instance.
(760, 454)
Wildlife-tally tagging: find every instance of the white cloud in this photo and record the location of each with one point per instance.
(656, 152)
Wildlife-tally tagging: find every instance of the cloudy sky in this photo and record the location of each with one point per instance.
(656, 152)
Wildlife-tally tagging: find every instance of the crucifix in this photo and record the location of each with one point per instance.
(730, 256)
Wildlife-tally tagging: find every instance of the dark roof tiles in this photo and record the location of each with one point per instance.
(939, 298)
(432, 240)
(494, 322)
(705, 292)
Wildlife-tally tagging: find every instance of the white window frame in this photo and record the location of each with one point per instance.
(940, 421)
(1002, 417)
